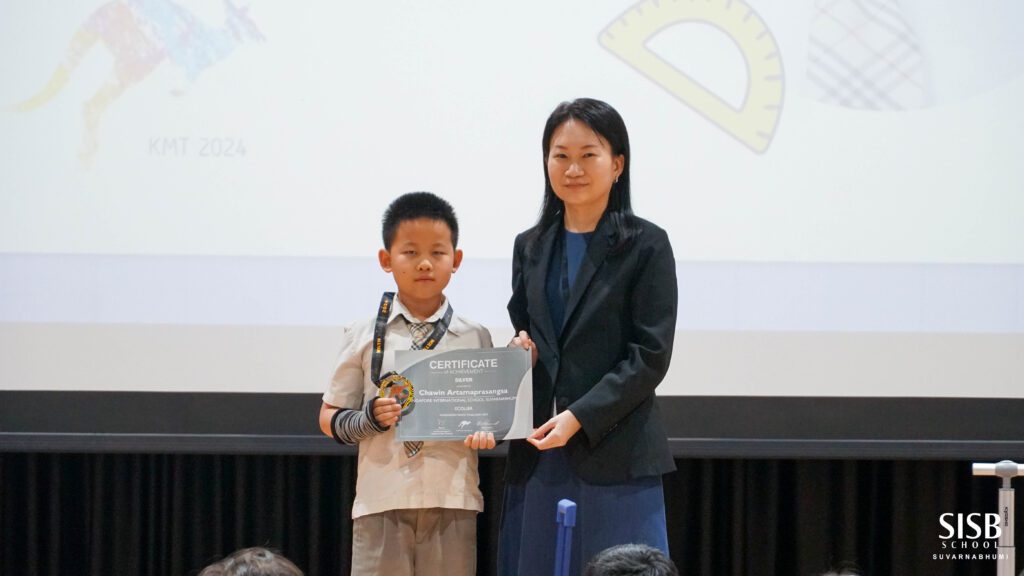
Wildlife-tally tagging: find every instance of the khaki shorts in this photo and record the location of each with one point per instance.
(415, 542)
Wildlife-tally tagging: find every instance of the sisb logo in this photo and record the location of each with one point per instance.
(970, 526)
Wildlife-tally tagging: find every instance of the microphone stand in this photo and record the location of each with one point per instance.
(1007, 470)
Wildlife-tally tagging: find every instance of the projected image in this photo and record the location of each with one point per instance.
(142, 35)
(865, 55)
(886, 55)
(755, 121)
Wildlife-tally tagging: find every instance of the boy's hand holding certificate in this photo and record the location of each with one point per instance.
(449, 394)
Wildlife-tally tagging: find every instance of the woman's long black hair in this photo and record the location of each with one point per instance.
(608, 124)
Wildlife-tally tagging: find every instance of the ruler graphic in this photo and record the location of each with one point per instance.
(753, 124)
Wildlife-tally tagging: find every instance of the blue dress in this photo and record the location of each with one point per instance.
(606, 515)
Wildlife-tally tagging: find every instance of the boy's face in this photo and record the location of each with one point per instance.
(422, 259)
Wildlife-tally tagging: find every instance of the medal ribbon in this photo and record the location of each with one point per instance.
(383, 312)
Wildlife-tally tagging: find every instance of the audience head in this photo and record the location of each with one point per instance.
(630, 560)
(843, 570)
(253, 562)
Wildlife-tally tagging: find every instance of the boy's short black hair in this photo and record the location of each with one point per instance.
(630, 560)
(416, 205)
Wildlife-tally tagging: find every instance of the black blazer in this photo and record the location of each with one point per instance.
(611, 353)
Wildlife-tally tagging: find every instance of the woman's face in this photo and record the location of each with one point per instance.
(581, 166)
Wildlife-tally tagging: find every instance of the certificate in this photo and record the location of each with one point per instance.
(457, 392)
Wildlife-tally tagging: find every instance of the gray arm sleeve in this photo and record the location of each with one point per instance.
(353, 426)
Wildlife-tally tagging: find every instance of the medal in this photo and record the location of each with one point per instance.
(394, 385)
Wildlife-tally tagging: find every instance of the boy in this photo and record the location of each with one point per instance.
(416, 502)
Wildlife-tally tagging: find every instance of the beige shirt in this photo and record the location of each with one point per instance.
(443, 474)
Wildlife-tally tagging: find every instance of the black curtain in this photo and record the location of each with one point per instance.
(147, 514)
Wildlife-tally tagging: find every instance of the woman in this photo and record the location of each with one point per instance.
(594, 298)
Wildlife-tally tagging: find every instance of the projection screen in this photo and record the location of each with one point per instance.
(191, 196)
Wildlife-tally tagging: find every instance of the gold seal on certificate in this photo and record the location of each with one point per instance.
(394, 385)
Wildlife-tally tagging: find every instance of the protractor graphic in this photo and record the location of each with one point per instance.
(755, 122)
